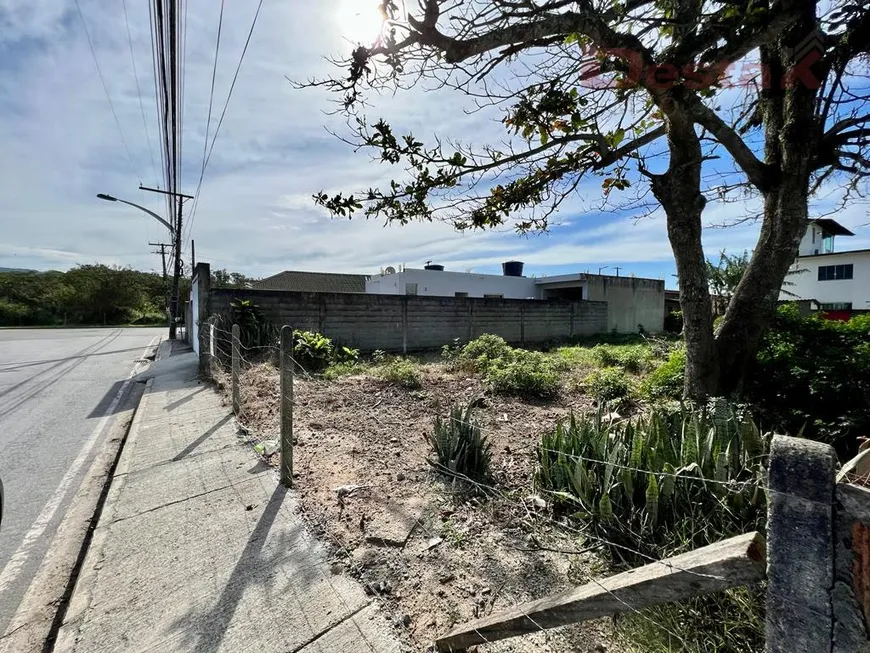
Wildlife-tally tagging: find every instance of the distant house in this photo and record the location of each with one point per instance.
(632, 301)
(836, 283)
(297, 281)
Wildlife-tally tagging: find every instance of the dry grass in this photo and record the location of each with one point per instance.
(361, 430)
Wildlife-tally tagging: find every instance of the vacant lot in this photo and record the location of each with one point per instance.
(439, 550)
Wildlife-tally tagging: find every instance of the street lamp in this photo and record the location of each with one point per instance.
(173, 303)
(110, 198)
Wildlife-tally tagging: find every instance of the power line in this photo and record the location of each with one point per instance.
(106, 91)
(208, 120)
(211, 93)
(223, 115)
(139, 91)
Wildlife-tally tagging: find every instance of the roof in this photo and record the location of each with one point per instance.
(843, 253)
(832, 227)
(294, 280)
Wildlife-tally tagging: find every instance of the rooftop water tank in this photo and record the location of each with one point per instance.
(512, 268)
(433, 266)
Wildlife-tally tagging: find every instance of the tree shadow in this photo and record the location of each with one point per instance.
(184, 399)
(202, 438)
(257, 565)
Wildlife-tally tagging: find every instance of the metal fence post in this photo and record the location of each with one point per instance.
(287, 406)
(235, 369)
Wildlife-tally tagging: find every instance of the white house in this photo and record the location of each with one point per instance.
(837, 282)
(631, 301)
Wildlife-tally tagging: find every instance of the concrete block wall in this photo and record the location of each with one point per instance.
(405, 323)
(632, 301)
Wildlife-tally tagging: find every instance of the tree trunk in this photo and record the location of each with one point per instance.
(754, 302)
(792, 131)
(679, 191)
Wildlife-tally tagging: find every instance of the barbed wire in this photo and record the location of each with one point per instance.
(246, 354)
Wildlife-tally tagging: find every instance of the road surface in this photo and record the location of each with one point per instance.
(56, 386)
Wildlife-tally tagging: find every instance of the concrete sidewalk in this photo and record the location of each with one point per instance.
(199, 549)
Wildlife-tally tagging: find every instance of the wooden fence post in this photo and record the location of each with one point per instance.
(800, 551)
(235, 369)
(286, 406)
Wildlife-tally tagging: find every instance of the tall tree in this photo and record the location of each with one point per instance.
(593, 87)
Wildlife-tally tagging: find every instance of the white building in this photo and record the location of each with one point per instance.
(631, 301)
(835, 281)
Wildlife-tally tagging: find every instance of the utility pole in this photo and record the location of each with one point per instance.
(176, 274)
(192, 255)
(162, 253)
(617, 268)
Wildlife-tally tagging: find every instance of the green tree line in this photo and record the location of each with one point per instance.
(86, 294)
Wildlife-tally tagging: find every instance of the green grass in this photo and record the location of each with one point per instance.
(345, 368)
(633, 357)
(727, 622)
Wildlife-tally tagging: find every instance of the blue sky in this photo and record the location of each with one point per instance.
(61, 147)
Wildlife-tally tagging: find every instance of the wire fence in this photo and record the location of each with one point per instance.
(230, 352)
(242, 357)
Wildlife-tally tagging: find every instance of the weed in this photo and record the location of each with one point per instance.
(608, 384)
(402, 372)
(450, 353)
(523, 373)
(459, 446)
(454, 535)
(314, 351)
(731, 621)
(346, 368)
(481, 352)
(666, 381)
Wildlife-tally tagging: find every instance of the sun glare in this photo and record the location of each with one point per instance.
(360, 21)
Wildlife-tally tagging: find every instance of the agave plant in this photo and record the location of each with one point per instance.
(661, 482)
(459, 446)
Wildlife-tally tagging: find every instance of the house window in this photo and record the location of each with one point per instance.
(837, 306)
(835, 272)
(460, 294)
(410, 288)
(493, 296)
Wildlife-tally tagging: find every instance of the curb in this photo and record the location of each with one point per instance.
(79, 598)
(41, 611)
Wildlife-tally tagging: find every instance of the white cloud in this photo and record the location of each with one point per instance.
(61, 147)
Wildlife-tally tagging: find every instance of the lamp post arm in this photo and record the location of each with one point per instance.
(151, 213)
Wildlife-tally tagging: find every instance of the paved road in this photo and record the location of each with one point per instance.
(56, 385)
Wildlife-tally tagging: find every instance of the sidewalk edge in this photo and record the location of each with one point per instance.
(80, 595)
(84, 575)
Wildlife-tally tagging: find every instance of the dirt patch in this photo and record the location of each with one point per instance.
(434, 553)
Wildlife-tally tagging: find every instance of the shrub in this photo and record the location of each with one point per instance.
(666, 381)
(254, 329)
(662, 483)
(674, 322)
(523, 373)
(813, 375)
(459, 446)
(483, 350)
(314, 351)
(450, 353)
(402, 372)
(608, 384)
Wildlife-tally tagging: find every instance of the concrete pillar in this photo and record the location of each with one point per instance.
(800, 553)
(202, 277)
